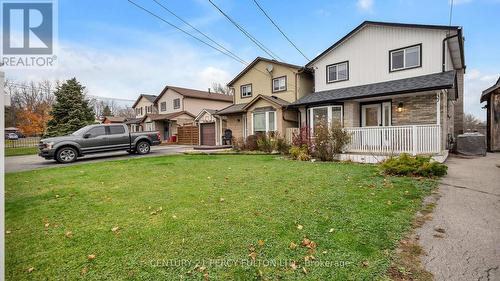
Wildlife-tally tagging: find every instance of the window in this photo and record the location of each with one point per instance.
(97, 131)
(141, 111)
(116, 130)
(329, 115)
(264, 121)
(246, 90)
(405, 58)
(150, 126)
(163, 106)
(337, 72)
(177, 103)
(279, 84)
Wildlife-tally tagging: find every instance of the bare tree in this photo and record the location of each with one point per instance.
(126, 112)
(218, 88)
(473, 124)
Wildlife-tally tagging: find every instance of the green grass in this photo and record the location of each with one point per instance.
(265, 198)
(20, 151)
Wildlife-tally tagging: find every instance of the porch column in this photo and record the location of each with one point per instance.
(303, 117)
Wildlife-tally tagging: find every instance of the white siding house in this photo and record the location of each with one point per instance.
(395, 87)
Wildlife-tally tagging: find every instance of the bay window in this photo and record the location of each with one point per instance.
(327, 115)
(264, 121)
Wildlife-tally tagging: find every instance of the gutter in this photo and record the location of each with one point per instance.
(461, 46)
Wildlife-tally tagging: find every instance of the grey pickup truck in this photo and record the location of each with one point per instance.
(96, 139)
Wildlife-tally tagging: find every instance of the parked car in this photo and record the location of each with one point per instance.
(96, 139)
(11, 136)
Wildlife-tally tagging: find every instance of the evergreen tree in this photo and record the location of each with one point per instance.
(71, 110)
(106, 111)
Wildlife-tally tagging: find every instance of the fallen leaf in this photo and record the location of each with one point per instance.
(153, 213)
(208, 177)
(293, 265)
(438, 235)
(439, 229)
(205, 277)
(160, 209)
(253, 255)
(300, 227)
(85, 270)
(222, 200)
(68, 234)
(261, 242)
(309, 258)
(47, 224)
(305, 242)
(312, 245)
(91, 257)
(292, 246)
(331, 230)
(174, 217)
(389, 202)
(57, 195)
(7, 232)
(324, 252)
(201, 268)
(365, 263)
(115, 229)
(31, 269)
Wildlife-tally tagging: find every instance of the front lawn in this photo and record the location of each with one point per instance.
(20, 151)
(157, 218)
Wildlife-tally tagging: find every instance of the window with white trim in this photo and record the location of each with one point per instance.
(405, 58)
(246, 90)
(328, 115)
(264, 121)
(150, 126)
(163, 106)
(279, 84)
(337, 72)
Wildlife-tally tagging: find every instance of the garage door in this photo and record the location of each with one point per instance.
(207, 132)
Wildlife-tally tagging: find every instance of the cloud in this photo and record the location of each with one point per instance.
(154, 61)
(475, 83)
(365, 5)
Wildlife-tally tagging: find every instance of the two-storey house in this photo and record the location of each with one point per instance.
(262, 93)
(175, 106)
(142, 106)
(395, 87)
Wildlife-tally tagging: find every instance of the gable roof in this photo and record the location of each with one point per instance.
(486, 93)
(150, 98)
(233, 108)
(197, 94)
(203, 111)
(258, 59)
(169, 116)
(379, 23)
(436, 81)
(272, 99)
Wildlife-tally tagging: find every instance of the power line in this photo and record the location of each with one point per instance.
(247, 34)
(279, 29)
(183, 31)
(196, 38)
(199, 31)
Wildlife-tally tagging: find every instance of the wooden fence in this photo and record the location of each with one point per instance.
(187, 135)
(22, 142)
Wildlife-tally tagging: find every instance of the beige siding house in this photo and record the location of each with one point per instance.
(262, 93)
(173, 107)
(395, 87)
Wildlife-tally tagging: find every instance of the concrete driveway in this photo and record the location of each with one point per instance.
(32, 162)
(462, 241)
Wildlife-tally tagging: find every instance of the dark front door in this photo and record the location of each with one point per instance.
(207, 132)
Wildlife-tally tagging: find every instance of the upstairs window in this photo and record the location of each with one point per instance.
(163, 106)
(177, 103)
(337, 72)
(246, 91)
(405, 58)
(279, 84)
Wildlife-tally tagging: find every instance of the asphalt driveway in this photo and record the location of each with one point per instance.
(462, 241)
(32, 162)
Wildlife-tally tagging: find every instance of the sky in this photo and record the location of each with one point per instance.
(117, 50)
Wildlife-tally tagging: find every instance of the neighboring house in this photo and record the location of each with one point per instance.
(262, 93)
(395, 87)
(207, 122)
(176, 106)
(142, 106)
(492, 98)
(113, 119)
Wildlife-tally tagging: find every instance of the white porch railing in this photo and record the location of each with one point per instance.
(415, 139)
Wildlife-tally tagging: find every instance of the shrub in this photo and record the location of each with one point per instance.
(300, 153)
(251, 142)
(281, 145)
(301, 138)
(406, 165)
(265, 143)
(329, 141)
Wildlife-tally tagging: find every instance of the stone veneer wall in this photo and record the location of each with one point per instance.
(417, 110)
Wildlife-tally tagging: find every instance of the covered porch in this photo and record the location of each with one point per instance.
(166, 124)
(384, 122)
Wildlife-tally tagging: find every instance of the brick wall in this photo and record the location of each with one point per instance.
(235, 124)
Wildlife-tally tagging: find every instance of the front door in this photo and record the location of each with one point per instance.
(376, 114)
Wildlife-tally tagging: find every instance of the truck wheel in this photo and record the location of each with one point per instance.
(66, 155)
(143, 147)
